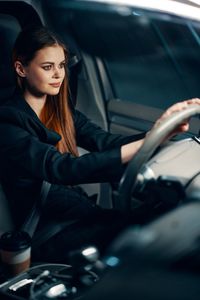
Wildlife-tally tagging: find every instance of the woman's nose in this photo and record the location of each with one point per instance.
(57, 73)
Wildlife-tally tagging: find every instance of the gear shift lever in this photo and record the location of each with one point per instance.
(86, 264)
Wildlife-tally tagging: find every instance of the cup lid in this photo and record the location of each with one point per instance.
(15, 240)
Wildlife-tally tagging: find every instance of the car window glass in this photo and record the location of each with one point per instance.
(161, 65)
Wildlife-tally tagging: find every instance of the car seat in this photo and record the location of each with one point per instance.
(9, 29)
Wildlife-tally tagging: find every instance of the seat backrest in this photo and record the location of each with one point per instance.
(5, 216)
(9, 29)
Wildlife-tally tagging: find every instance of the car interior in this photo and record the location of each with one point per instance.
(93, 94)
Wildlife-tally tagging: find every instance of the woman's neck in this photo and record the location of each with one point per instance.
(36, 103)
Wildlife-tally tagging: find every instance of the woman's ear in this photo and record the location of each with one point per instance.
(19, 68)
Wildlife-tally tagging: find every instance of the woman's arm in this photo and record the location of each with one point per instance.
(24, 155)
(25, 152)
(129, 150)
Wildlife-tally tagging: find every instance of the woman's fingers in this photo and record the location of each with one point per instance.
(179, 106)
(183, 127)
(193, 101)
(174, 108)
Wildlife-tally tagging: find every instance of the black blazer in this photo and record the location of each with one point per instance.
(28, 154)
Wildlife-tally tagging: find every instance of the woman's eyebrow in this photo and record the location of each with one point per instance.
(47, 62)
(63, 61)
(52, 63)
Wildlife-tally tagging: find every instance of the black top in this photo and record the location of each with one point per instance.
(28, 154)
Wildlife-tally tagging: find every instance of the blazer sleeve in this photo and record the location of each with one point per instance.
(25, 155)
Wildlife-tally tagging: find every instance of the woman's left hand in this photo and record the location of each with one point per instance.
(179, 106)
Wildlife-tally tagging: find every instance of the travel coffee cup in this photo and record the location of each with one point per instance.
(15, 249)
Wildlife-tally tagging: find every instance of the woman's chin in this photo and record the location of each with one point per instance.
(54, 93)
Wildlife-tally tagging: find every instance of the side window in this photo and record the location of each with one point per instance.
(152, 59)
(159, 60)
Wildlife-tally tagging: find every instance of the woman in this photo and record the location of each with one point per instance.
(40, 133)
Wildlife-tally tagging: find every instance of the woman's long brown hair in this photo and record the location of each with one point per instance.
(56, 114)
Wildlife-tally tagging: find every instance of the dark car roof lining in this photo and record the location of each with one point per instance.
(15, 8)
(14, 15)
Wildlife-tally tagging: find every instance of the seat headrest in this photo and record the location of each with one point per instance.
(9, 30)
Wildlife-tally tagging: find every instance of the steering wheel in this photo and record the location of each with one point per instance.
(129, 179)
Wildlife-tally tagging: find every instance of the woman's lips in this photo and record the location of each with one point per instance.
(56, 85)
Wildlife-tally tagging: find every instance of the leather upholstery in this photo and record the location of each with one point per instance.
(9, 29)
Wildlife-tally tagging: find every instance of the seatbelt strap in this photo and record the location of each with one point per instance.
(32, 220)
(74, 66)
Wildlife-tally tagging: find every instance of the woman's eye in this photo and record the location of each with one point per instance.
(62, 65)
(47, 68)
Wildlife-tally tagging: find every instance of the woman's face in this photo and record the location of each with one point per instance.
(45, 73)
